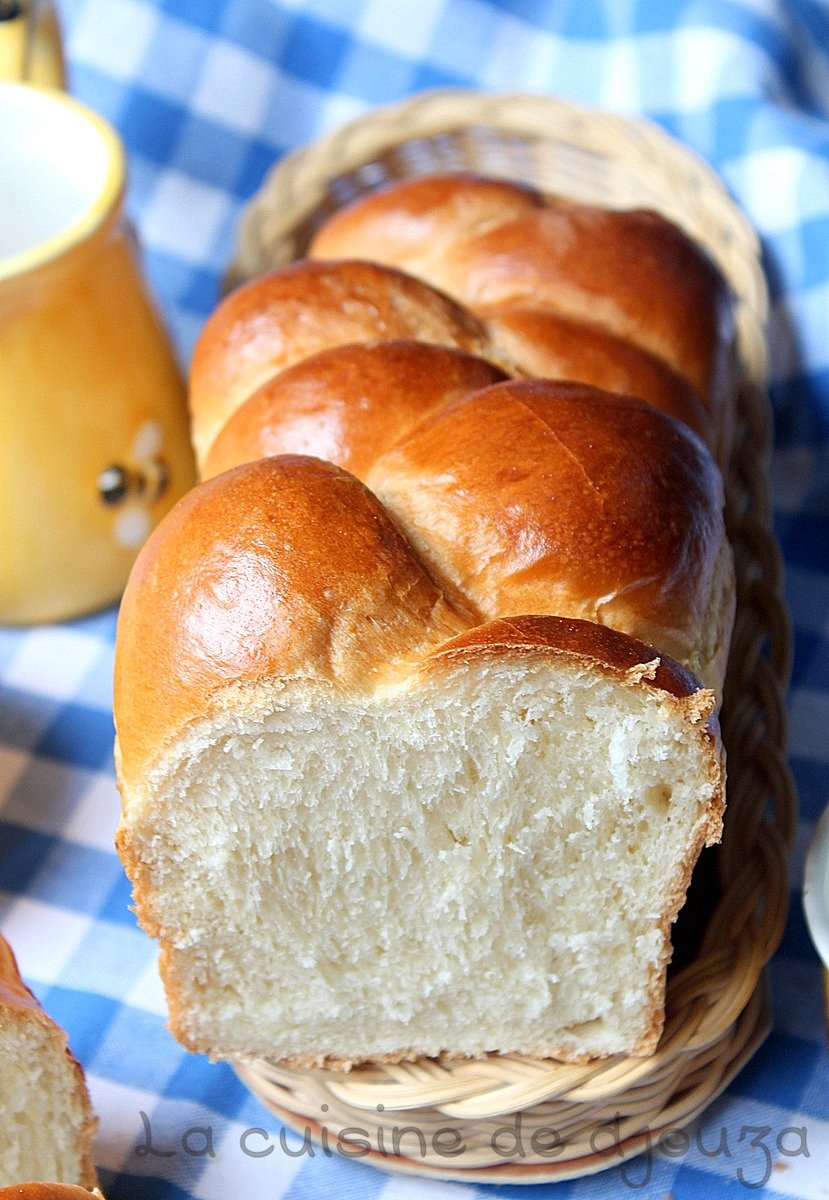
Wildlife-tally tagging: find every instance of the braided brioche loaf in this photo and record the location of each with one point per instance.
(47, 1126)
(416, 693)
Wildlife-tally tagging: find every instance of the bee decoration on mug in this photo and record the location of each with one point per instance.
(132, 489)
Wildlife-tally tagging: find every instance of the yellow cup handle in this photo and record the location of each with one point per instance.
(31, 48)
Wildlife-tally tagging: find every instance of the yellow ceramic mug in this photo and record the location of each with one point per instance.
(94, 444)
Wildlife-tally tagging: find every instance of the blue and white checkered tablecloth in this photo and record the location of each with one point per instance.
(207, 95)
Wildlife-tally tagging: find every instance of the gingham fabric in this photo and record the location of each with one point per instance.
(207, 95)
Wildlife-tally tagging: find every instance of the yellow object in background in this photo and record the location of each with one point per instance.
(94, 440)
(30, 43)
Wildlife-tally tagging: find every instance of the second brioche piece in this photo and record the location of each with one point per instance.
(47, 1123)
(555, 498)
(290, 336)
(48, 1191)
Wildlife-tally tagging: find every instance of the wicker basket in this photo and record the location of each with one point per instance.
(506, 1118)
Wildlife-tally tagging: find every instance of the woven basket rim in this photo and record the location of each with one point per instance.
(723, 1017)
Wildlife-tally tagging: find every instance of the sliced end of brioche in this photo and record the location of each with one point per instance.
(486, 855)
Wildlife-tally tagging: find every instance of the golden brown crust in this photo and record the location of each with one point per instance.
(630, 271)
(534, 497)
(418, 220)
(489, 245)
(549, 346)
(525, 497)
(347, 405)
(13, 991)
(16, 1002)
(280, 318)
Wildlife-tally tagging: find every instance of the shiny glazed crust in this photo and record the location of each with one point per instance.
(287, 315)
(523, 497)
(501, 248)
(347, 404)
(534, 497)
(488, 243)
(550, 346)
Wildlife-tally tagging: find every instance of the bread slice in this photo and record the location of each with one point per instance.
(47, 1126)
(366, 825)
(48, 1191)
